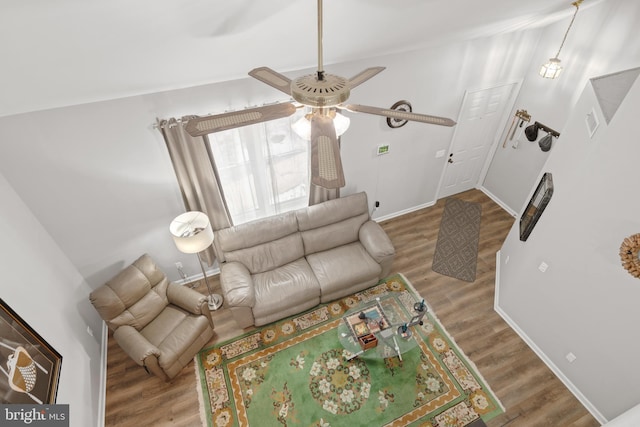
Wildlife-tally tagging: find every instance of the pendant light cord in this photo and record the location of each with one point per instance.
(577, 5)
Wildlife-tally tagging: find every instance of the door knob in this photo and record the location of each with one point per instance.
(450, 160)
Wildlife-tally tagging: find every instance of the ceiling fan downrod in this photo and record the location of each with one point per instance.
(320, 89)
(320, 66)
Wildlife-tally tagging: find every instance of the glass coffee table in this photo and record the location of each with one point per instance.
(380, 328)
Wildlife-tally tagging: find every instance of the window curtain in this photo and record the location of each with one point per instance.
(197, 177)
(319, 194)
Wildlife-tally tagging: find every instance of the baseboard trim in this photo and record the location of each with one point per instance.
(498, 201)
(199, 276)
(102, 398)
(429, 204)
(538, 351)
(403, 212)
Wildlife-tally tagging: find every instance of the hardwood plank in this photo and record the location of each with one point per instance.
(532, 394)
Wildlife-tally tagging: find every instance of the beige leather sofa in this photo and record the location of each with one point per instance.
(159, 324)
(282, 265)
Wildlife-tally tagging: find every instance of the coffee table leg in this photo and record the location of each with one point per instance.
(397, 348)
(354, 355)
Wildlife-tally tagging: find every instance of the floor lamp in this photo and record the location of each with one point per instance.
(192, 234)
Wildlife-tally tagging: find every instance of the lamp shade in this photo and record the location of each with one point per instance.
(192, 232)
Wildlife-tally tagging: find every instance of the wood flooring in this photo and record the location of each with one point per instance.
(530, 392)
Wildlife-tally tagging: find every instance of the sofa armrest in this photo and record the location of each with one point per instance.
(189, 300)
(186, 298)
(375, 241)
(237, 284)
(135, 344)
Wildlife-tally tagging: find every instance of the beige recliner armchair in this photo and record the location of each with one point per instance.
(159, 324)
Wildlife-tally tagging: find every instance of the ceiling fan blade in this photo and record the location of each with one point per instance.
(400, 115)
(364, 75)
(272, 78)
(326, 165)
(202, 125)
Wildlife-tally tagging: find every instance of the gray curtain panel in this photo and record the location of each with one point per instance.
(319, 194)
(197, 177)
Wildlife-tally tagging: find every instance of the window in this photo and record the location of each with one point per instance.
(263, 168)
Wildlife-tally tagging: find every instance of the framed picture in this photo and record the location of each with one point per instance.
(29, 366)
(536, 206)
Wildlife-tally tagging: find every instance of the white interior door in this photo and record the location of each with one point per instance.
(482, 114)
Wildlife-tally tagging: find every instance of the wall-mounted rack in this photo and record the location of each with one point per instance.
(546, 129)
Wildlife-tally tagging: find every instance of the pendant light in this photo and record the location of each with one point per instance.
(552, 68)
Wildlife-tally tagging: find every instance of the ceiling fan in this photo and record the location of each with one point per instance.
(324, 93)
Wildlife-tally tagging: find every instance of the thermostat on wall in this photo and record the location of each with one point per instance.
(383, 149)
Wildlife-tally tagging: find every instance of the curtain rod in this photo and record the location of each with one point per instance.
(158, 125)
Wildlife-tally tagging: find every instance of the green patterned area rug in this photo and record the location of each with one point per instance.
(295, 373)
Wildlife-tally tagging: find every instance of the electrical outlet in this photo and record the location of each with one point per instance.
(571, 357)
(181, 271)
(89, 330)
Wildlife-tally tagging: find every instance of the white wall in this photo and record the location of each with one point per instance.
(585, 303)
(602, 40)
(42, 286)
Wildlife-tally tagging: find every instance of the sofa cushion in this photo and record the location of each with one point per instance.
(339, 269)
(256, 232)
(173, 332)
(333, 223)
(264, 244)
(286, 287)
(268, 256)
(332, 211)
(332, 235)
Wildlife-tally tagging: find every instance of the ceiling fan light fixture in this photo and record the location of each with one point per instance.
(341, 123)
(302, 126)
(552, 69)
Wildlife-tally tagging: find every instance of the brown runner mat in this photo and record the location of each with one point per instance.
(456, 252)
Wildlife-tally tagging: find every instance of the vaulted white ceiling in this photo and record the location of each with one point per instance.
(65, 52)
